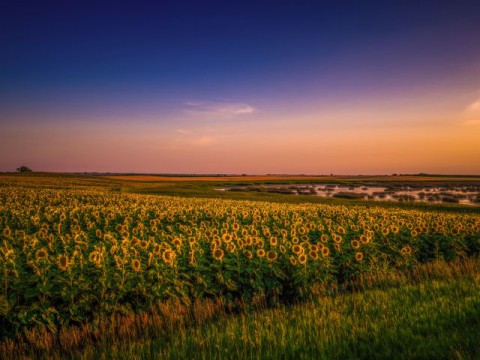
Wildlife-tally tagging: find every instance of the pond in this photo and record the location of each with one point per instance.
(468, 195)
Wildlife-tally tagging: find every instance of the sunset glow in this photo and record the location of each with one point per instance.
(217, 88)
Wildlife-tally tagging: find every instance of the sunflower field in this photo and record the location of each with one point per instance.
(71, 254)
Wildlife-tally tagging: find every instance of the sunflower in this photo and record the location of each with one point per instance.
(98, 233)
(156, 249)
(364, 239)
(62, 262)
(41, 254)
(297, 249)
(7, 232)
(355, 244)
(177, 242)
(248, 254)
(260, 253)
(337, 238)
(150, 259)
(227, 238)
(325, 251)
(313, 254)
(273, 241)
(406, 250)
(136, 265)
(359, 256)
(169, 256)
(218, 254)
(94, 257)
(302, 259)
(191, 258)
(272, 255)
(231, 247)
(324, 238)
(293, 261)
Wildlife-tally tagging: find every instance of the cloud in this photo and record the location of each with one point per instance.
(471, 114)
(217, 109)
(204, 141)
(473, 107)
(183, 131)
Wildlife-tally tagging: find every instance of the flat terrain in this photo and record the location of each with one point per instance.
(94, 266)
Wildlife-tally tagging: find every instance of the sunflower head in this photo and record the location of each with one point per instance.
(273, 241)
(272, 255)
(62, 262)
(218, 254)
(169, 256)
(227, 238)
(325, 251)
(359, 256)
(297, 249)
(136, 265)
(302, 259)
(355, 244)
(41, 254)
(7, 232)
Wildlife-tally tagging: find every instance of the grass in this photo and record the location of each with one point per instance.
(431, 312)
(435, 318)
(206, 189)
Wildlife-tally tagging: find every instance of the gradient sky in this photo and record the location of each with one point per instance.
(313, 87)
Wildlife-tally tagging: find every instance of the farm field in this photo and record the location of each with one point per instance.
(236, 180)
(86, 261)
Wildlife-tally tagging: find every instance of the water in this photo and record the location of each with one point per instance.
(461, 195)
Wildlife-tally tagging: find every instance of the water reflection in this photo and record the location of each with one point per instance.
(468, 195)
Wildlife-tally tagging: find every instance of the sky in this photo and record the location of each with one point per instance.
(255, 87)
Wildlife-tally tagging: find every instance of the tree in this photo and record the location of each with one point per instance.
(24, 169)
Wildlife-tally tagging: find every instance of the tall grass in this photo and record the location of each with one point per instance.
(432, 311)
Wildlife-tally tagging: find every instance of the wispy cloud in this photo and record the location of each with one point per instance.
(183, 131)
(217, 109)
(204, 141)
(473, 107)
(471, 115)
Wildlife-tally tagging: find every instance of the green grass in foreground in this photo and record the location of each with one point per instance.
(433, 319)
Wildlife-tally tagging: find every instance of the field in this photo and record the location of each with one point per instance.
(140, 267)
